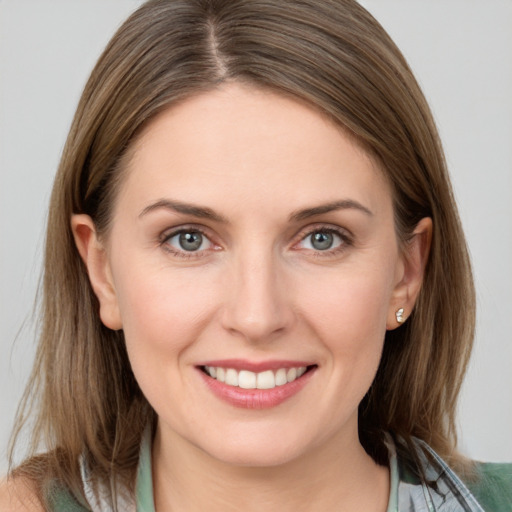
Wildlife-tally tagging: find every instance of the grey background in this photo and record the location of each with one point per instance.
(461, 52)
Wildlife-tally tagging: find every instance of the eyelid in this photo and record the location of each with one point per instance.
(345, 235)
(170, 233)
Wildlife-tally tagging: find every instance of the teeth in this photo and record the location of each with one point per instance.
(291, 374)
(266, 380)
(250, 380)
(281, 377)
(231, 377)
(246, 380)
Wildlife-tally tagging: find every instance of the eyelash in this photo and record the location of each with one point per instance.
(345, 238)
(167, 236)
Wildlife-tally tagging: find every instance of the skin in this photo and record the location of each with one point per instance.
(258, 290)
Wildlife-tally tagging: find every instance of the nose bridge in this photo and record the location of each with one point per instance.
(257, 307)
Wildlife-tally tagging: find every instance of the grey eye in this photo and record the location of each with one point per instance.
(322, 240)
(190, 241)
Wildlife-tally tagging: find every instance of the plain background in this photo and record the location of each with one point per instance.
(461, 52)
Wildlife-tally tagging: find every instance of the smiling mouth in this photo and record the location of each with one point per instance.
(245, 379)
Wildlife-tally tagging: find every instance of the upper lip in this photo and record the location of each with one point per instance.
(255, 366)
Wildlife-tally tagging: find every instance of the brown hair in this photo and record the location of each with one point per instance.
(330, 53)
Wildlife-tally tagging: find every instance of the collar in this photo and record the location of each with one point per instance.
(420, 481)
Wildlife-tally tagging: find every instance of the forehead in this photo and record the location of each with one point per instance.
(252, 143)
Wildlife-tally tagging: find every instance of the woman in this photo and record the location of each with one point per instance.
(248, 300)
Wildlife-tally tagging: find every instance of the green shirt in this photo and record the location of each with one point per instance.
(491, 491)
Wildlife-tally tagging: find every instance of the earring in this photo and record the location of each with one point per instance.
(400, 315)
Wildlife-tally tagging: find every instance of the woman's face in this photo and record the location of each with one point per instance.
(252, 239)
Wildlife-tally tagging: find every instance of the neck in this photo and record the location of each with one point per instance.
(337, 477)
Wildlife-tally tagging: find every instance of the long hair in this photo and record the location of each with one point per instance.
(82, 394)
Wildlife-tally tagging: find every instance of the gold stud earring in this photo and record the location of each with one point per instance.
(400, 315)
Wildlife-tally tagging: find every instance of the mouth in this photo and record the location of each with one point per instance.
(246, 379)
(260, 387)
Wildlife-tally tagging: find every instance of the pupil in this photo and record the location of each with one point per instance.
(322, 241)
(191, 241)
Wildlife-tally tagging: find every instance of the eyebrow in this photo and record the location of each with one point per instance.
(344, 204)
(207, 213)
(183, 208)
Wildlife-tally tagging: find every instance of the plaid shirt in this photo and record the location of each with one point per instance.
(423, 482)
(420, 482)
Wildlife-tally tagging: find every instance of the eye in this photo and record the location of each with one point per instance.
(322, 240)
(188, 241)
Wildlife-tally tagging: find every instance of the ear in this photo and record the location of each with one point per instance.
(95, 258)
(412, 269)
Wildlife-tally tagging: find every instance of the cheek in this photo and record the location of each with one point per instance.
(163, 315)
(348, 302)
(348, 314)
(162, 312)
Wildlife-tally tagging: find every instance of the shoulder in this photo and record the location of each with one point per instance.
(19, 495)
(492, 485)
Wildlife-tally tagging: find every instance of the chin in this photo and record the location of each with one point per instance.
(257, 458)
(257, 451)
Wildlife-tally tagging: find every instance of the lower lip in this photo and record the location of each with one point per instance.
(256, 398)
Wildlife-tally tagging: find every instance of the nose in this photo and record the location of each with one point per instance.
(258, 307)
